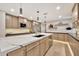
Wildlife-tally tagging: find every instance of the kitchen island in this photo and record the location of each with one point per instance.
(24, 45)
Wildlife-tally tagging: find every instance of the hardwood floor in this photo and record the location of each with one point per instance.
(58, 49)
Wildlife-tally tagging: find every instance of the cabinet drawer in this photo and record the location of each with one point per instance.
(32, 45)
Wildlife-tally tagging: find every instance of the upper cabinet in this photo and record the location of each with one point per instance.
(17, 22)
(17, 25)
(11, 21)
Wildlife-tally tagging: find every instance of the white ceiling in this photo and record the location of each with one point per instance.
(29, 9)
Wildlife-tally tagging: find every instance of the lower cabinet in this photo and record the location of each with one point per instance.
(66, 37)
(60, 36)
(45, 44)
(33, 52)
(42, 47)
(74, 45)
(55, 36)
(38, 48)
(33, 49)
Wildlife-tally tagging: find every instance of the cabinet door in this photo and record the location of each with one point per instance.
(42, 47)
(66, 37)
(12, 21)
(36, 51)
(55, 36)
(61, 37)
(17, 52)
(15, 22)
(33, 52)
(30, 53)
(8, 21)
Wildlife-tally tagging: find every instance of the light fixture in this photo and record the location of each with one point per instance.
(58, 8)
(76, 13)
(45, 15)
(59, 16)
(37, 14)
(12, 10)
(20, 10)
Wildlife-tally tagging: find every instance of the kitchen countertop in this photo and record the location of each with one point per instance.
(5, 47)
(63, 31)
(70, 32)
(8, 44)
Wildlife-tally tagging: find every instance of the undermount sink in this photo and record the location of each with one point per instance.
(38, 35)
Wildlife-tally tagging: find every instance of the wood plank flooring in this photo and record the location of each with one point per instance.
(58, 49)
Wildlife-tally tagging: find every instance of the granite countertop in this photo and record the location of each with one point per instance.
(8, 44)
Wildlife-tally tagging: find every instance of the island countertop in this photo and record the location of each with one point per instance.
(14, 42)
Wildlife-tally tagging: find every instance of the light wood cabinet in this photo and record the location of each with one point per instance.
(32, 49)
(32, 45)
(45, 44)
(74, 45)
(55, 36)
(33, 52)
(17, 52)
(42, 47)
(38, 48)
(60, 36)
(8, 21)
(12, 21)
(15, 22)
(66, 37)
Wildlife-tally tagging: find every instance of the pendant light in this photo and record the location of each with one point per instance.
(37, 15)
(21, 10)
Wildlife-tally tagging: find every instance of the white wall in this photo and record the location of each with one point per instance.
(2, 24)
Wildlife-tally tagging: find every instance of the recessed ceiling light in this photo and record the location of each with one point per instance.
(12, 10)
(59, 16)
(58, 8)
